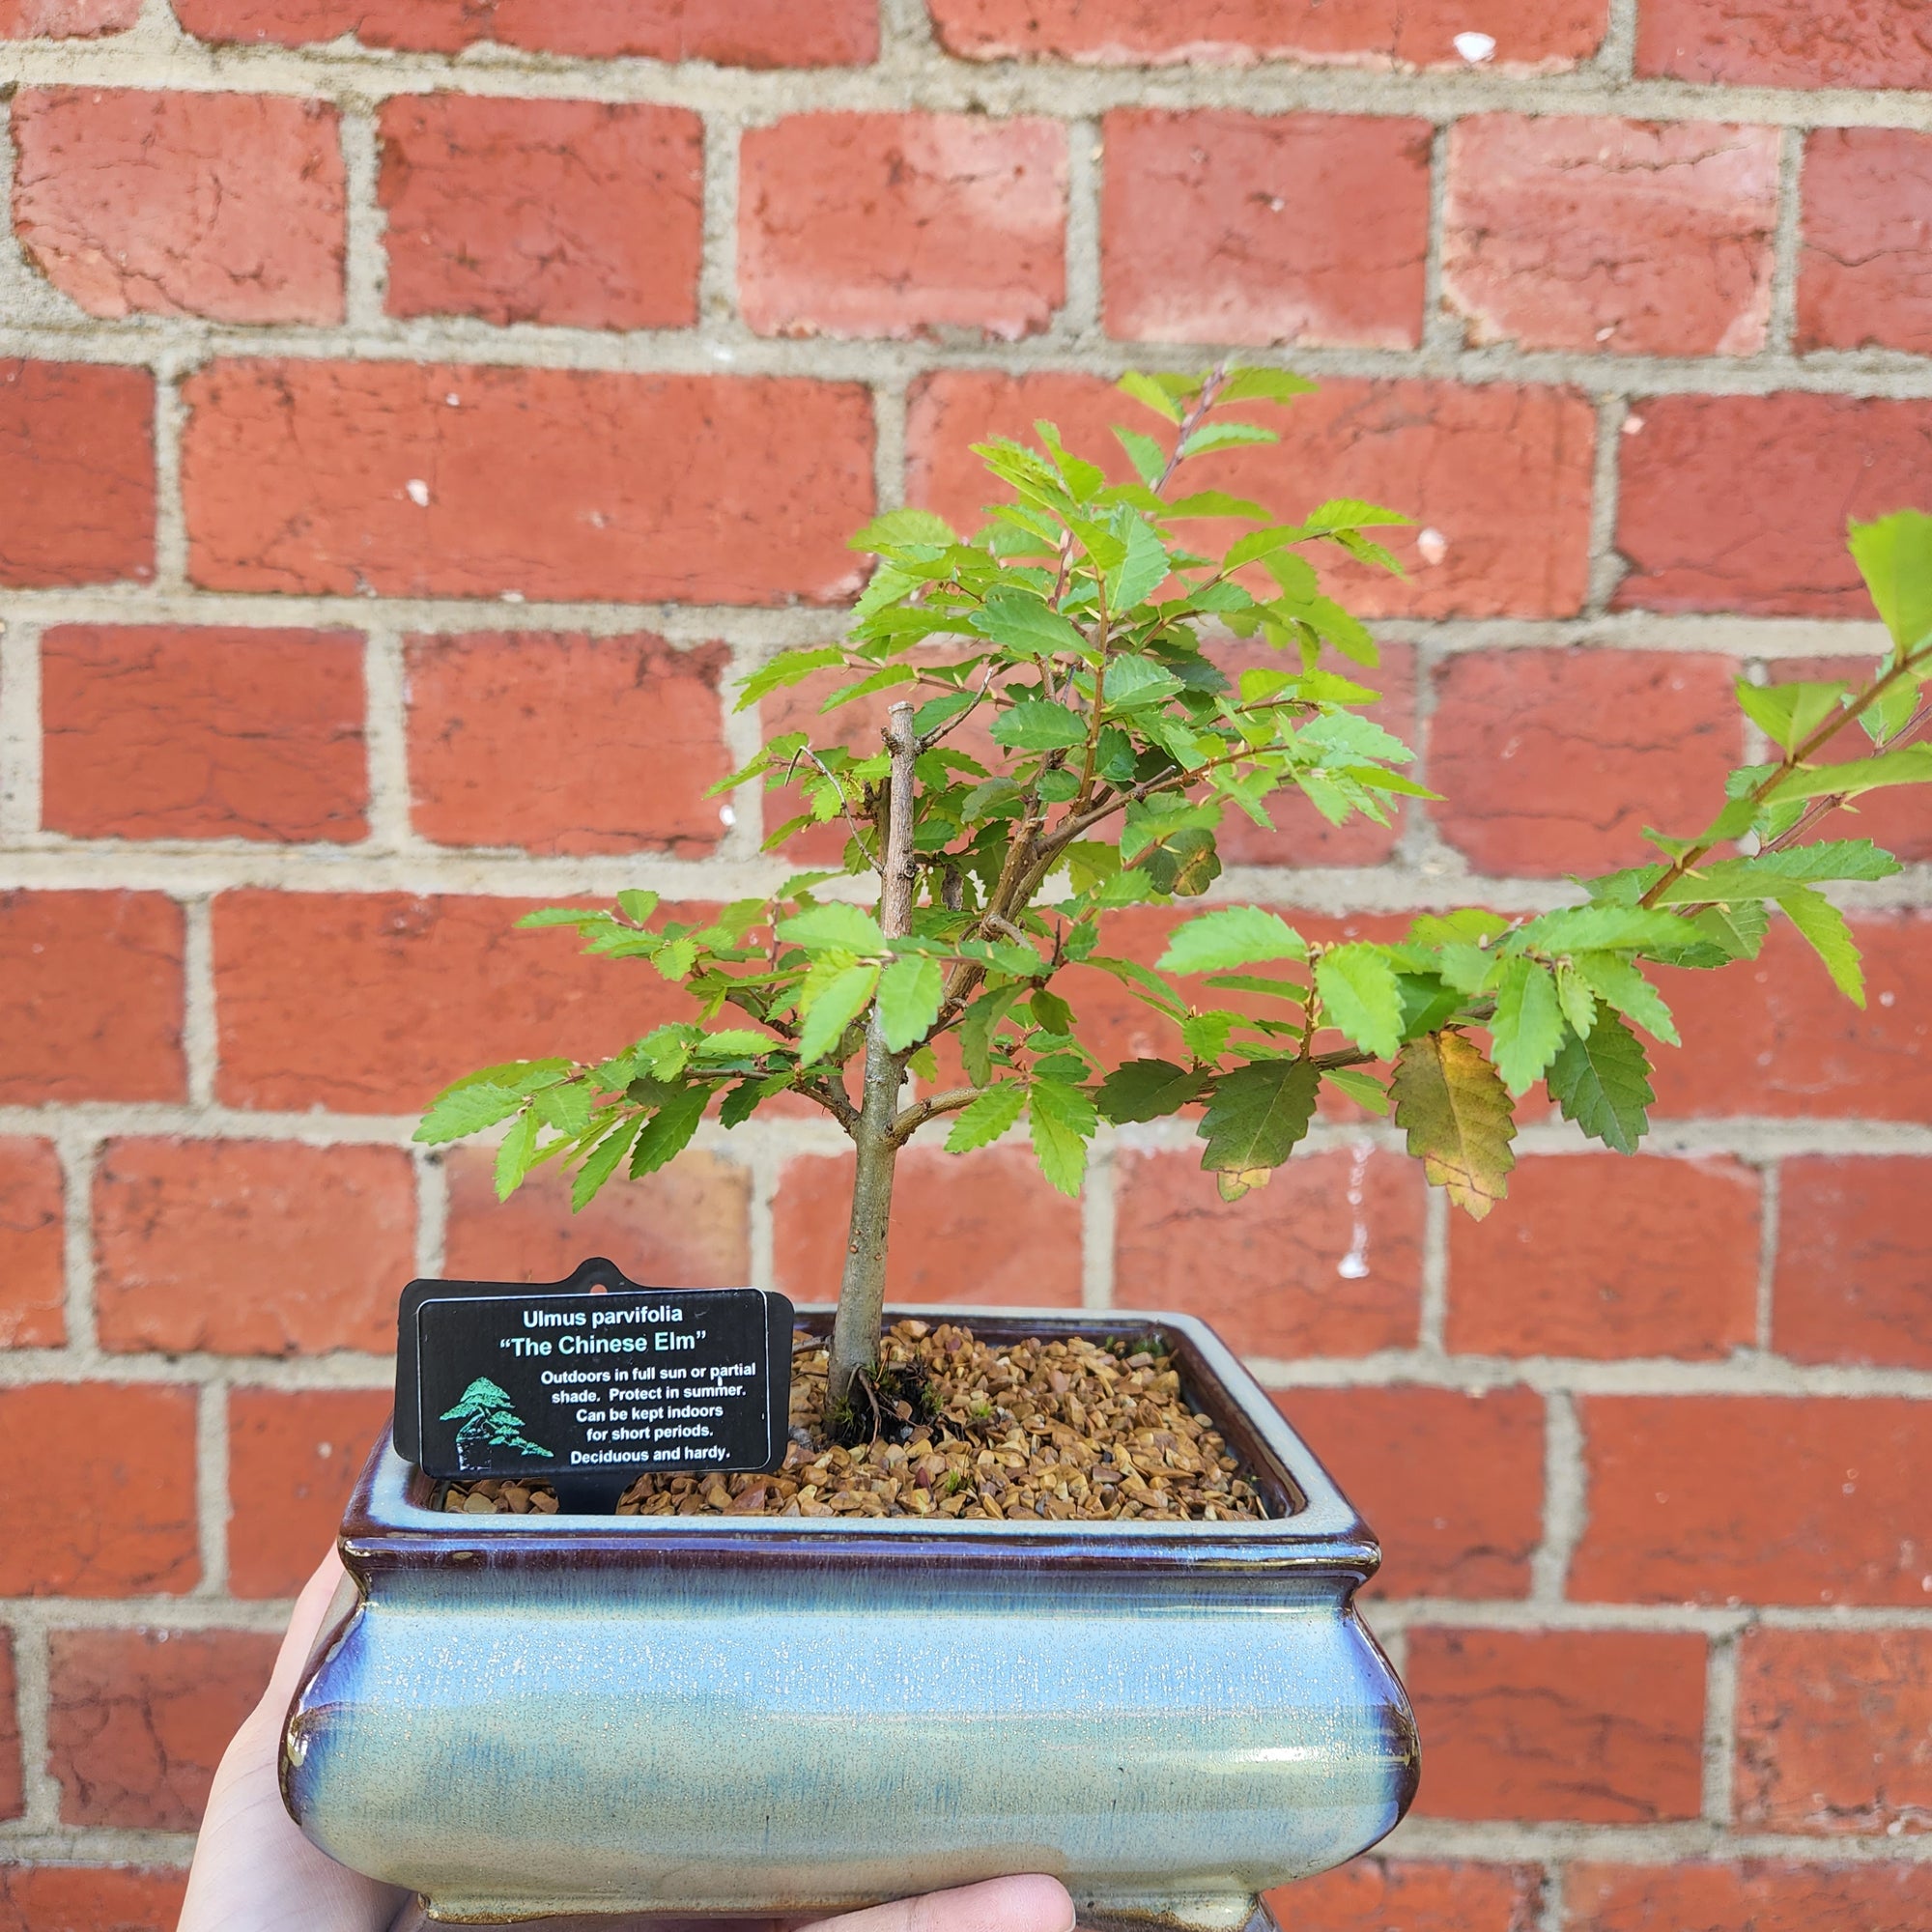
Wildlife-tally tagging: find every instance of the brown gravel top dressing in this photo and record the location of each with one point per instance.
(1059, 1429)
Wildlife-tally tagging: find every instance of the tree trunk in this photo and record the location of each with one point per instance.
(861, 1290)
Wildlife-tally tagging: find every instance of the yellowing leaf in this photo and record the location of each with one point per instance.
(1456, 1112)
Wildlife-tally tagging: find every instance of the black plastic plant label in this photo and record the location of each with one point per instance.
(591, 1376)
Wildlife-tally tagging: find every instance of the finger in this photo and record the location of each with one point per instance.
(1032, 1904)
(298, 1639)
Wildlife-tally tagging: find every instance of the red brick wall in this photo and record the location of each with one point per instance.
(384, 420)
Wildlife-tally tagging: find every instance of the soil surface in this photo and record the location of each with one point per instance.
(956, 1427)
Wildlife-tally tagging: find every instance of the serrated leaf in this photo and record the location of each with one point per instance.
(1594, 929)
(988, 1117)
(1140, 572)
(1145, 390)
(1364, 1089)
(1602, 1083)
(1574, 996)
(840, 1001)
(1456, 1112)
(1618, 983)
(910, 991)
(1263, 386)
(836, 927)
(976, 1029)
(668, 1132)
(1766, 874)
(1258, 1114)
(1358, 990)
(897, 529)
(577, 916)
(1063, 1118)
(1147, 1090)
(1527, 1025)
(601, 1162)
(1133, 681)
(1787, 714)
(1351, 513)
(788, 668)
(1034, 724)
(637, 905)
(1024, 624)
(1894, 556)
(734, 1044)
(1216, 942)
(514, 1156)
(481, 1100)
(1824, 927)
(1216, 503)
(1908, 764)
(1213, 435)
(1147, 456)
(868, 687)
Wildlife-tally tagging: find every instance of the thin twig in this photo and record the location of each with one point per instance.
(858, 832)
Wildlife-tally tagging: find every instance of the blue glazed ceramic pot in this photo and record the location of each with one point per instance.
(520, 1717)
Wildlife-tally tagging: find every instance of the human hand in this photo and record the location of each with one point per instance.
(255, 1872)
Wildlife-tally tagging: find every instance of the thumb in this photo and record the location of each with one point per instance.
(1032, 1904)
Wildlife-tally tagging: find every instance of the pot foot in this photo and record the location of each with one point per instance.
(1207, 1912)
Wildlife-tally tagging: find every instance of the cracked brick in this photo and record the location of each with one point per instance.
(1752, 1895)
(66, 19)
(90, 1898)
(1384, 1894)
(164, 731)
(33, 1271)
(570, 213)
(1786, 43)
(1854, 1256)
(229, 206)
(901, 224)
(514, 736)
(1631, 237)
(137, 1720)
(1864, 265)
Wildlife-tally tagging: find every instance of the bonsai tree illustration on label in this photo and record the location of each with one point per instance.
(1063, 743)
(490, 1421)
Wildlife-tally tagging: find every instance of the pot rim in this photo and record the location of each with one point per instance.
(389, 1524)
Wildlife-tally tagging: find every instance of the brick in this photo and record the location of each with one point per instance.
(175, 731)
(33, 1270)
(77, 474)
(251, 1247)
(983, 1227)
(1377, 1894)
(90, 997)
(1452, 1483)
(1551, 761)
(1500, 473)
(1762, 1499)
(1865, 261)
(64, 19)
(1852, 1260)
(1326, 1260)
(730, 33)
(1755, 1895)
(1225, 227)
(299, 475)
(514, 738)
(1785, 43)
(11, 1780)
(228, 206)
(1596, 1726)
(1357, 33)
(1302, 836)
(110, 1511)
(897, 224)
(1696, 542)
(88, 1898)
(292, 1458)
(1834, 1731)
(1773, 1036)
(572, 213)
(1639, 237)
(137, 1720)
(688, 1225)
(373, 1003)
(1605, 1256)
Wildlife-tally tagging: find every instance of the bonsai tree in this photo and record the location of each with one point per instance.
(490, 1421)
(1069, 633)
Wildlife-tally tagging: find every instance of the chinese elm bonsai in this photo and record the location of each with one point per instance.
(1069, 632)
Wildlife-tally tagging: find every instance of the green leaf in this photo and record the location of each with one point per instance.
(1766, 874)
(1216, 503)
(1596, 928)
(910, 990)
(482, 1099)
(1216, 942)
(1263, 386)
(668, 1132)
(1620, 983)
(601, 1162)
(1788, 714)
(1256, 1116)
(514, 1156)
(1351, 513)
(788, 668)
(734, 1044)
(1909, 764)
(1602, 1083)
(839, 1003)
(1578, 1000)
(988, 1117)
(1823, 925)
(1144, 390)
(867, 686)
(1184, 863)
(976, 1029)
(1456, 1112)
(1147, 456)
(1036, 726)
(636, 906)
(1358, 989)
(1213, 435)
(1364, 1089)
(1527, 1025)
(1147, 1090)
(1024, 624)
(1894, 556)
(1063, 1118)
(837, 927)
(1142, 571)
(1051, 1011)
(1133, 681)
(899, 529)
